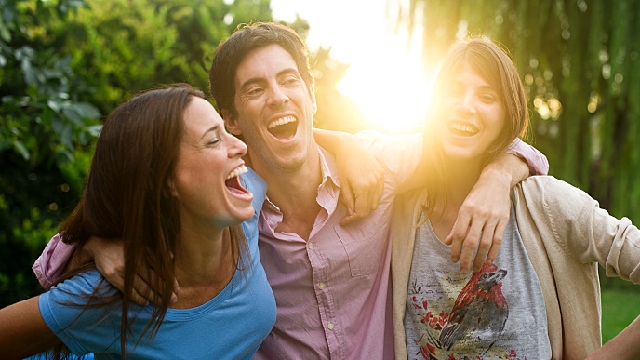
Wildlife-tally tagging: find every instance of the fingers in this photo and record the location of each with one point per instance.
(469, 245)
(361, 202)
(362, 208)
(346, 195)
(143, 293)
(151, 287)
(457, 235)
(497, 241)
(114, 275)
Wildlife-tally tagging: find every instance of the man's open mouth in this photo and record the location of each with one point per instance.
(284, 128)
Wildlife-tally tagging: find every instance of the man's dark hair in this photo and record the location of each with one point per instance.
(245, 39)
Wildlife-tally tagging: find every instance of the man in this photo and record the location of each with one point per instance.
(331, 282)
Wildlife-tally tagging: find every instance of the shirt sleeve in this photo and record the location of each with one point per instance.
(537, 161)
(400, 154)
(52, 261)
(82, 328)
(590, 232)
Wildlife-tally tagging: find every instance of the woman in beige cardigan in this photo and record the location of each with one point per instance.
(546, 268)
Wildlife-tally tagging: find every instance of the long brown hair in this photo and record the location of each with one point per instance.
(127, 195)
(494, 64)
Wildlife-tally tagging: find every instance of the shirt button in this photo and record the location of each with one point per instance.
(330, 326)
(321, 286)
(310, 245)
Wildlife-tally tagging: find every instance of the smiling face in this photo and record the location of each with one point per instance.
(206, 176)
(274, 110)
(472, 116)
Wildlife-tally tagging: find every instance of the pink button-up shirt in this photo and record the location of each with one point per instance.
(332, 292)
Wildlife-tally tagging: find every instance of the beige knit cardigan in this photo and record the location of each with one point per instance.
(566, 234)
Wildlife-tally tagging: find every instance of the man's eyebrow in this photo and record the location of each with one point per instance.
(258, 79)
(213, 128)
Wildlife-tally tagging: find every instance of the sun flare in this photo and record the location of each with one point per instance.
(392, 91)
(386, 78)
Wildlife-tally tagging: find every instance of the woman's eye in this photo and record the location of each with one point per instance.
(213, 142)
(487, 97)
(254, 91)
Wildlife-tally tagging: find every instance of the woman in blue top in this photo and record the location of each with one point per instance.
(165, 178)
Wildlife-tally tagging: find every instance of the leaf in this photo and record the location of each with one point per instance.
(54, 104)
(72, 115)
(86, 110)
(22, 150)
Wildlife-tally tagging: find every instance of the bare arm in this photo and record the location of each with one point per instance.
(485, 212)
(23, 331)
(361, 177)
(625, 346)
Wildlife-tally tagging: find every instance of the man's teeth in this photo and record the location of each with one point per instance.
(283, 121)
(237, 172)
(461, 127)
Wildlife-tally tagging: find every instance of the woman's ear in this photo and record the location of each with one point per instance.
(172, 187)
(230, 122)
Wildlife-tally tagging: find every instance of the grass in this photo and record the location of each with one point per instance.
(619, 308)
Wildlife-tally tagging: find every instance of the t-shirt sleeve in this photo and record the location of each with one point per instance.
(83, 329)
(537, 161)
(52, 261)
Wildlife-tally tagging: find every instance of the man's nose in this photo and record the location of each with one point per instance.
(277, 96)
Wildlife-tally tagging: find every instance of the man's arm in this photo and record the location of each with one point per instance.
(485, 212)
(108, 256)
(361, 177)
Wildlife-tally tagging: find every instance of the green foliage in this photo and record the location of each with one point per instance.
(579, 61)
(619, 309)
(125, 46)
(45, 120)
(66, 63)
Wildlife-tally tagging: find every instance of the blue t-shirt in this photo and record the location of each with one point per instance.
(229, 326)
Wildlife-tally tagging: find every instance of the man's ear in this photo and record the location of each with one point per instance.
(230, 122)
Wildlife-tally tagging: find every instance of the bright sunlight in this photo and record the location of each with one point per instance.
(385, 78)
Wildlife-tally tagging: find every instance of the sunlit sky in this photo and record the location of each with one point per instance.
(385, 77)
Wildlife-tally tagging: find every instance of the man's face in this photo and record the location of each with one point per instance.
(274, 110)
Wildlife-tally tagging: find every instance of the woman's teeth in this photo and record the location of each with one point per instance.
(237, 172)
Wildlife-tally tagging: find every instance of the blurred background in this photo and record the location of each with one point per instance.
(65, 64)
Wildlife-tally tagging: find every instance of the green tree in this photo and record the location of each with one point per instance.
(66, 63)
(46, 124)
(579, 62)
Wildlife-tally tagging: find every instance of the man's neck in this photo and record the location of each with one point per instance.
(294, 193)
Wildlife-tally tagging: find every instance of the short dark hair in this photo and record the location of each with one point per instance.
(246, 38)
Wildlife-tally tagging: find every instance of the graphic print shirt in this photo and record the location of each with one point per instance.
(496, 313)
